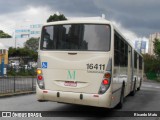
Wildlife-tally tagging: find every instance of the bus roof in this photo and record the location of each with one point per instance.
(81, 20)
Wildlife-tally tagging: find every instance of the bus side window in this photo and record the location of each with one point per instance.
(140, 63)
(116, 50)
(135, 59)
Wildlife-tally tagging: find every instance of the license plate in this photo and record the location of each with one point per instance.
(70, 83)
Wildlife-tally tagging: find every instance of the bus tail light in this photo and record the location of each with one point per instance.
(107, 75)
(40, 80)
(39, 71)
(105, 83)
(39, 77)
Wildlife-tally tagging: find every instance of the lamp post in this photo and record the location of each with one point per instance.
(15, 40)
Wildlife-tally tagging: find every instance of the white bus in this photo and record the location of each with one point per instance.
(86, 62)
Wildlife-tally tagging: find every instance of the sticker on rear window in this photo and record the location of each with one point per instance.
(44, 65)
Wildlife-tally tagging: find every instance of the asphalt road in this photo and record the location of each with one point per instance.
(147, 99)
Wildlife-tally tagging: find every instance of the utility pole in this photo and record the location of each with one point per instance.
(15, 40)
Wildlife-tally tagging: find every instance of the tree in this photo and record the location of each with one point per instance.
(22, 53)
(151, 66)
(156, 44)
(32, 44)
(151, 63)
(4, 35)
(56, 17)
(24, 56)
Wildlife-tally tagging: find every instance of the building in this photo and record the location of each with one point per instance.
(152, 37)
(22, 33)
(28, 31)
(140, 46)
(25, 32)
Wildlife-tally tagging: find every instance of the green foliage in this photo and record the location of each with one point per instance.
(32, 44)
(151, 66)
(22, 52)
(21, 72)
(4, 35)
(29, 52)
(151, 63)
(11, 73)
(56, 17)
(157, 47)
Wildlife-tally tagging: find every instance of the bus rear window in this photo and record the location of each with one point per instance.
(76, 37)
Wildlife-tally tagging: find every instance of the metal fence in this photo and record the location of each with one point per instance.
(17, 84)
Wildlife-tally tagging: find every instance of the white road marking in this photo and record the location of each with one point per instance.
(157, 87)
(151, 86)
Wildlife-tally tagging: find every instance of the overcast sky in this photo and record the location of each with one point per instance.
(136, 18)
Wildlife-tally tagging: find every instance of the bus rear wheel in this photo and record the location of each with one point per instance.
(139, 85)
(120, 104)
(134, 89)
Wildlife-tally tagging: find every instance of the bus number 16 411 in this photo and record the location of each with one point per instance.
(96, 66)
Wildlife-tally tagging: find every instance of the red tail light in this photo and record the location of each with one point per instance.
(105, 82)
(40, 77)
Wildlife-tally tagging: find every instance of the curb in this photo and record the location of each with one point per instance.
(16, 94)
(151, 81)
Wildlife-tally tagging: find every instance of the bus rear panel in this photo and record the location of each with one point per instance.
(73, 61)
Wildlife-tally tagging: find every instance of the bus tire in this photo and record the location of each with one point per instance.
(134, 89)
(139, 85)
(120, 104)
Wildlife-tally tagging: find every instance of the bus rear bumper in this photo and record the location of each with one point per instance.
(75, 98)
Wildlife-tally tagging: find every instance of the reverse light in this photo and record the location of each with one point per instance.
(40, 82)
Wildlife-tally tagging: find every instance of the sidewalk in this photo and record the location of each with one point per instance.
(16, 94)
(151, 81)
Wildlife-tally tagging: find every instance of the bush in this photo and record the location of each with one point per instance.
(151, 66)
(22, 72)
